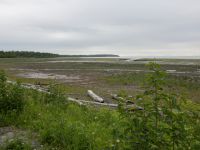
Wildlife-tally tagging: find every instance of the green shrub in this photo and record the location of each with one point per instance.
(11, 96)
(3, 86)
(164, 122)
(69, 136)
(55, 95)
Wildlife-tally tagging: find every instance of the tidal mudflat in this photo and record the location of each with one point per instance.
(106, 76)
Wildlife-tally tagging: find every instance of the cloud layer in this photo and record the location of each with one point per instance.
(125, 27)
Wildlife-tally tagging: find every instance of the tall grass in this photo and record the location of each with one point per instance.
(67, 125)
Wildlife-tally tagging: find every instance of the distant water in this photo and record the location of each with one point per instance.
(166, 57)
(139, 57)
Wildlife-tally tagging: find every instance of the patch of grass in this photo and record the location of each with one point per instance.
(76, 129)
(68, 126)
(72, 89)
(125, 79)
(188, 86)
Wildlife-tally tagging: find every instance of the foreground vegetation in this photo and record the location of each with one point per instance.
(167, 121)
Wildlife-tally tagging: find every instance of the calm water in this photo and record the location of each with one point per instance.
(166, 57)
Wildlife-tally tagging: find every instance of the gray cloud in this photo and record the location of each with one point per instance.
(125, 27)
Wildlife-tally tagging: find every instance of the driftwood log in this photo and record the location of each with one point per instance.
(129, 105)
(116, 97)
(80, 102)
(83, 102)
(95, 97)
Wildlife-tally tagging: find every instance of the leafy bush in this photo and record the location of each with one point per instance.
(3, 85)
(164, 122)
(55, 95)
(69, 136)
(11, 96)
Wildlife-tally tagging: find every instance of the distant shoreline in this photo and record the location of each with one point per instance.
(93, 56)
(31, 54)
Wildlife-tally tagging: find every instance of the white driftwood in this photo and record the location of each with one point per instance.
(83, 102)
(80, 102)
(95, 97)
(30, 86)
(116, 97)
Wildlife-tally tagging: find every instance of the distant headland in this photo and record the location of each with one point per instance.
(31, 54)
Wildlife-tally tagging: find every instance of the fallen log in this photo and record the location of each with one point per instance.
(116, 97)
(80, 102)
(83, 102)
(30, 86)
(133, 107)
(95, 97)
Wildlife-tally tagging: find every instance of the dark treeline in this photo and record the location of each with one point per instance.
(97, 55)
(21, 54)
(24, 54)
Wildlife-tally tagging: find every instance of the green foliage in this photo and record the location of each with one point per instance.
(125, 79)
(71, 126)
(167, 120)
(189, 86)
(163, 123)
(3, 80)
(11, 96)
(55, 95)
(69, 136)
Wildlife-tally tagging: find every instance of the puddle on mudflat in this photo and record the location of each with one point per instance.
(39, 75)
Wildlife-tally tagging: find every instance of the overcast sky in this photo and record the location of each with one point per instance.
(124, 27)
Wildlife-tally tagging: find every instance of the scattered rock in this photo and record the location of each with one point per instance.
(9, 134)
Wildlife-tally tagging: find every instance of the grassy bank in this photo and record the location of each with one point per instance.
(67, 126)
